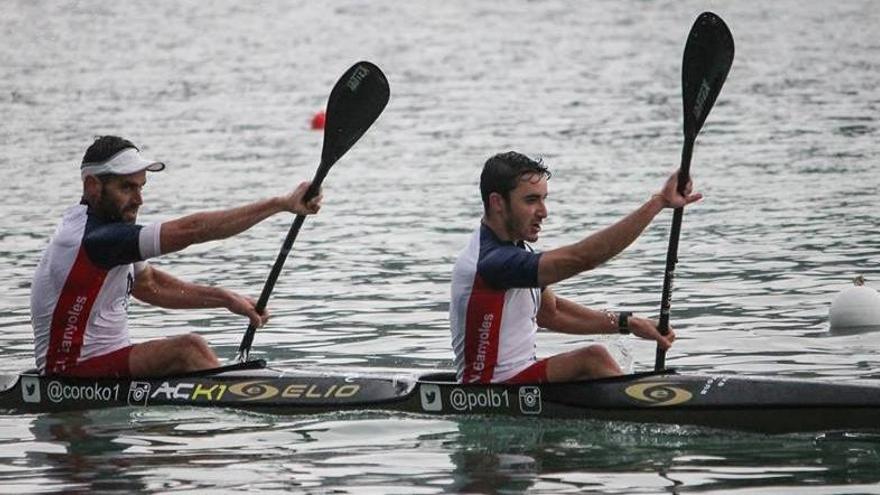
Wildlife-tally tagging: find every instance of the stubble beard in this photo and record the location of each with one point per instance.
(107, 210)
(517, 231)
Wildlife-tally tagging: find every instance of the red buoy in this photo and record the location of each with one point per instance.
(318, 120)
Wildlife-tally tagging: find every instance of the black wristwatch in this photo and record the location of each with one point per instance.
(623, 321)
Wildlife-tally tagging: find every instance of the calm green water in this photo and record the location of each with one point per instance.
(224, 94)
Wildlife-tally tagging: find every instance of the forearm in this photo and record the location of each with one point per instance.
(610, 241)
(214, 225)
(559, 264)
(166, 291)
(570, 317)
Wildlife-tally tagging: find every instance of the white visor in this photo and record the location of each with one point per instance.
(127, 161)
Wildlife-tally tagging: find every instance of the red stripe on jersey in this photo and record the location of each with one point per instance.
(72, 313)
(482, 328)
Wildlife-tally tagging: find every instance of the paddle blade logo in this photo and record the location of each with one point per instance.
(701, 99)
(30, 389)
(658, 394)
(359, 74)
(431, 400)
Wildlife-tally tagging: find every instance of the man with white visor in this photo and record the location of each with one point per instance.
(97, 258)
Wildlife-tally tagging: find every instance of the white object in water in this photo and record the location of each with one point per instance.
(857, 306)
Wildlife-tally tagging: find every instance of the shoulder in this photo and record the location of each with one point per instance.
(505, 264)
(111, 244)
(99, 231)
(493, 250)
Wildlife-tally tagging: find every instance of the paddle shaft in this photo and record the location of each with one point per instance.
(263, 301)
(672, 252)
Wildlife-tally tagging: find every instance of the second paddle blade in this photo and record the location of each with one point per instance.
(708, 55)
(355, 102)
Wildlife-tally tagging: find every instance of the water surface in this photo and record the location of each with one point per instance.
(224, 94)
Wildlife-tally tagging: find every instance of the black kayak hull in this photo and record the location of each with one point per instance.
(729, 402)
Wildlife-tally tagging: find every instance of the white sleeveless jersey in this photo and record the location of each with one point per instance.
(81, 288)
(494, 307)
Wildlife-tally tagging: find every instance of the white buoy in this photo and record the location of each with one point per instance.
(854, 307)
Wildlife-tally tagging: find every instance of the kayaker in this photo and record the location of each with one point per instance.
(501, 290)
(97, 258)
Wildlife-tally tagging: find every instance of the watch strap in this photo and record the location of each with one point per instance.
(623, 322)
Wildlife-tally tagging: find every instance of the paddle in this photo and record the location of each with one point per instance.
(355, 102)
(707, 58)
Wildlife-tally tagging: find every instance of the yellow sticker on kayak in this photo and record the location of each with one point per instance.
(658, 393)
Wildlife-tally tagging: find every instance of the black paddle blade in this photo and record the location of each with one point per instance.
(708, 55)
(355, 102)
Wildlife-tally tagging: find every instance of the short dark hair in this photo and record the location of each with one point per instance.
(502, 172)
(105, 147)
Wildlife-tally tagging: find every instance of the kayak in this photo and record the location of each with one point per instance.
(757, 404)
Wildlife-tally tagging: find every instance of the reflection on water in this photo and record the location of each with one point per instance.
(224, 93)
(551, 455)
(133, 450)
(74, 452)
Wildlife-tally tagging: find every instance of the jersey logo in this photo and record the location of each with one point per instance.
(482, 329)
